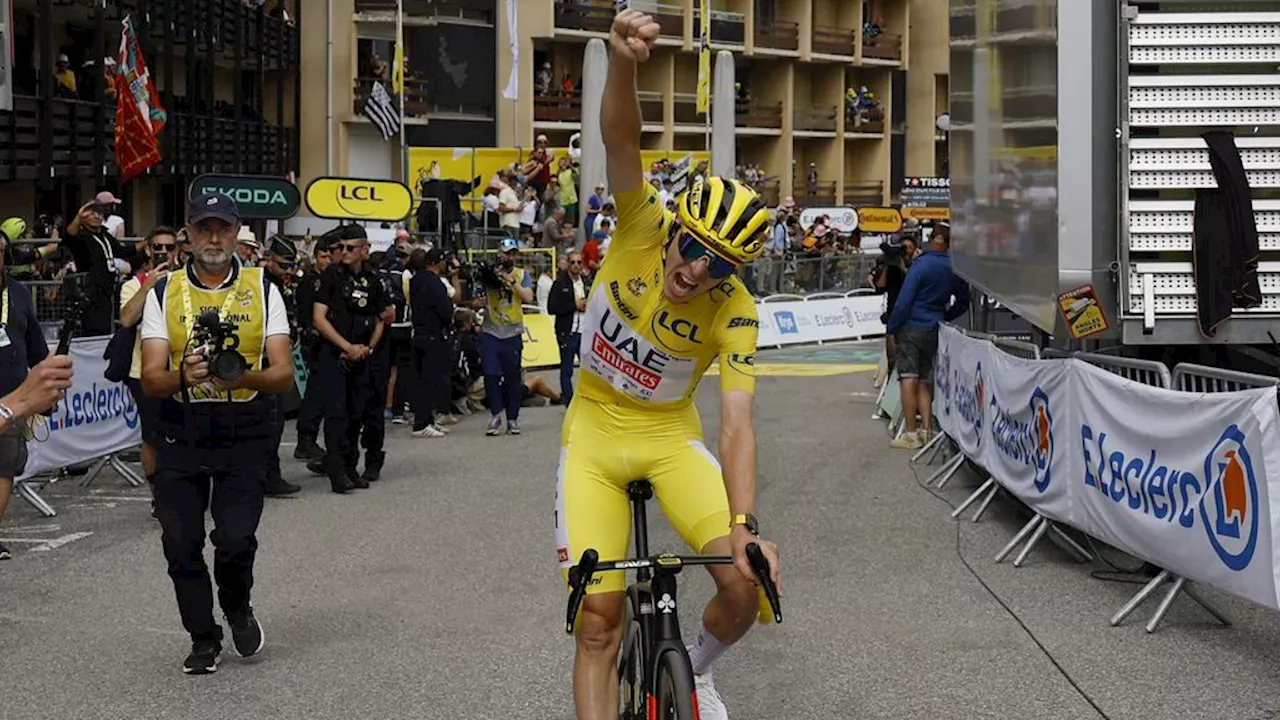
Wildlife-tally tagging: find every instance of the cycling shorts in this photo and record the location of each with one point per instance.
(603, 448)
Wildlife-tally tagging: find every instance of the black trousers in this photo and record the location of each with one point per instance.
(432, 363)
(273, 476)
(353, 407)
(228, 484)
(311, 412)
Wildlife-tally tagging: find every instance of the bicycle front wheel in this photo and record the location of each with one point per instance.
(674, 690)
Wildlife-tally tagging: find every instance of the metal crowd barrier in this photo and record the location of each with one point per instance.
(1185, 377)
(807, 275)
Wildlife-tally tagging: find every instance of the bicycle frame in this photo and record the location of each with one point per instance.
(656, 597)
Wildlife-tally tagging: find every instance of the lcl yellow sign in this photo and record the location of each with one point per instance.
(358, 199)
(875, 220)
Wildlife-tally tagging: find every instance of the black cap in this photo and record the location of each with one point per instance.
(214, 205)
(354, 232)
(435, 256)
(282, 246)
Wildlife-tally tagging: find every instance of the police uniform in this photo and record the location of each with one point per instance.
(279, 246)
(352, 402)
(214, 445)
(311, 412)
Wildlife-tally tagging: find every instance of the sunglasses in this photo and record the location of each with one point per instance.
(347, 247)
(575, 262)
(160, 247)
(692, 249)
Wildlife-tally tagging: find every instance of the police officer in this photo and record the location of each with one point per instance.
(281, 268)
(218, 431)
(311, 413)
(347, 314)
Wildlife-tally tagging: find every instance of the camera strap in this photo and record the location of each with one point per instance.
(232, 292)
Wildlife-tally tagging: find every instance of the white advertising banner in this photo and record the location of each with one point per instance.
(1184, 486)
(94, 419)
(1127, 463)
(789, 322)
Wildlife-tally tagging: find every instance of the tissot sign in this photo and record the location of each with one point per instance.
(258, 197)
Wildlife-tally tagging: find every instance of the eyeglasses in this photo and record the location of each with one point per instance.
(693, 249)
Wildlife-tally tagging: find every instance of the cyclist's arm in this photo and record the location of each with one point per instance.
(737, 390)
(620, 126)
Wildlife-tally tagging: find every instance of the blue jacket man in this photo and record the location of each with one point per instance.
(925, 301)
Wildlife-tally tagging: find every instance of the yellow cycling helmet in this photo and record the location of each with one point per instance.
(13, 228)
(726, 215)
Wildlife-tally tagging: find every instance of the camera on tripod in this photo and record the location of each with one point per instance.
(220, 342)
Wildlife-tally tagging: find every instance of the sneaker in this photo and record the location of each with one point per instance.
(710, 706)
(443, 420)
(495, 427)
(430, 431)
(908, 441)
(513, 427)
(4, 553)
(203, 658)
(398, 420)
(246, 633)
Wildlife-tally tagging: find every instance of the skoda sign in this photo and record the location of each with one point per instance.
(258, 197)
(358, 199)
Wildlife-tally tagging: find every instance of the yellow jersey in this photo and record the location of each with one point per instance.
(639, 350)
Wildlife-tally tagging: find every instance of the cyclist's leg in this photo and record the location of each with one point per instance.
(689, 484)
(592, 511)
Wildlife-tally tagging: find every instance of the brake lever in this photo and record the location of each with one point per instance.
(755, 557)
(579, 578)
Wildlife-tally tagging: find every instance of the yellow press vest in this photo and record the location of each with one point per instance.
(243, 301)
(504, 305)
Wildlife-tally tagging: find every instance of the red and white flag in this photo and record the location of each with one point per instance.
(139, 115)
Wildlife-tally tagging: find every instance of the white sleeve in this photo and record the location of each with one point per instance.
(154, 326)
(277, 318)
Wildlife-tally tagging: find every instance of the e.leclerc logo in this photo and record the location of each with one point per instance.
(1225, 497)
(1230, 509)
(1026, 440)
(942, 379)
(95, 404)
(970, 400)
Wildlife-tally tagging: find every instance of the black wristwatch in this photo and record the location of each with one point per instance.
(747, 520)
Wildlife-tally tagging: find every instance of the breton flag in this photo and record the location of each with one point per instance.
(381, 111)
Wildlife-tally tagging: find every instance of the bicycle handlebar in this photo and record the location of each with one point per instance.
(589, 564)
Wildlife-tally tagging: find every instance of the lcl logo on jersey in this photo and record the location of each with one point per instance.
(675, 334)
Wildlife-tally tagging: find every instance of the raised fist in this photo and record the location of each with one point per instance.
(633, 34)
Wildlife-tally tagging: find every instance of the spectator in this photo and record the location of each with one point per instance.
(594, 203)
(97, 253)
(509, 205)
(528, 212)
(554, 231)
(931, 294)
(542, 288)
(432, 356)
(607, 212)
(568, 181)
(568, 302)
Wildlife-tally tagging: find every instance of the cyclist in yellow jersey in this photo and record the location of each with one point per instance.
(663, 307)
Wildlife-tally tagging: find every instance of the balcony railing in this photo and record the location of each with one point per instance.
(834, 41)
(885, 46)
(961, 107)
(769, 190)
(415, 96)
(758, 114)
(1025, 16)
(1031, 103)
(597, 16)
(815, 117)
(81, 142)
(822, 193)
(864, 194)
(196, 25)
(869, 120)
(779, 35)
(557, 108)
(687, 109)
(468, 9)
(651, 107)
(727, 28)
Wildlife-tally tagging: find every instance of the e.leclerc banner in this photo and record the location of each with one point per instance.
(789, 322)
(1183, 480)
(95, 418)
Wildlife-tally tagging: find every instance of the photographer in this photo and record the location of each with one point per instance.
(887, 277)
(97, 252)
(505, 288)
(432, 345)
(215, 348)
(347, 314)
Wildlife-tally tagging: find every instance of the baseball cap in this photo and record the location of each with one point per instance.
(214, 205)
(435, 256)
(508, 245)
(106, 198)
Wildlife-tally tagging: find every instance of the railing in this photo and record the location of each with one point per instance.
(728, 28)
(770, 191)
(864, 194)
(823, 193)
(834, 41)
(803, 274)
(779, 35)
(468, 9)
(1025, 16)
(670, 20)
(557, 108)
(195, 25)
(961, 105)
(758, 114)
(815, 117)
(597, 16)
(651, 107)
(686, 107)
(870, 120)
(885, 46)
(1033, 102)
(415, 95)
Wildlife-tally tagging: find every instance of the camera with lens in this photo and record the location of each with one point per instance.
(45, 226)
(220, 341)
(485, 272)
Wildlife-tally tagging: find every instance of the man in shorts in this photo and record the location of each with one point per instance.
(931, 294)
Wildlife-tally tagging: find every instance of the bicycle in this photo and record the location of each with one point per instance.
(654, 670)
